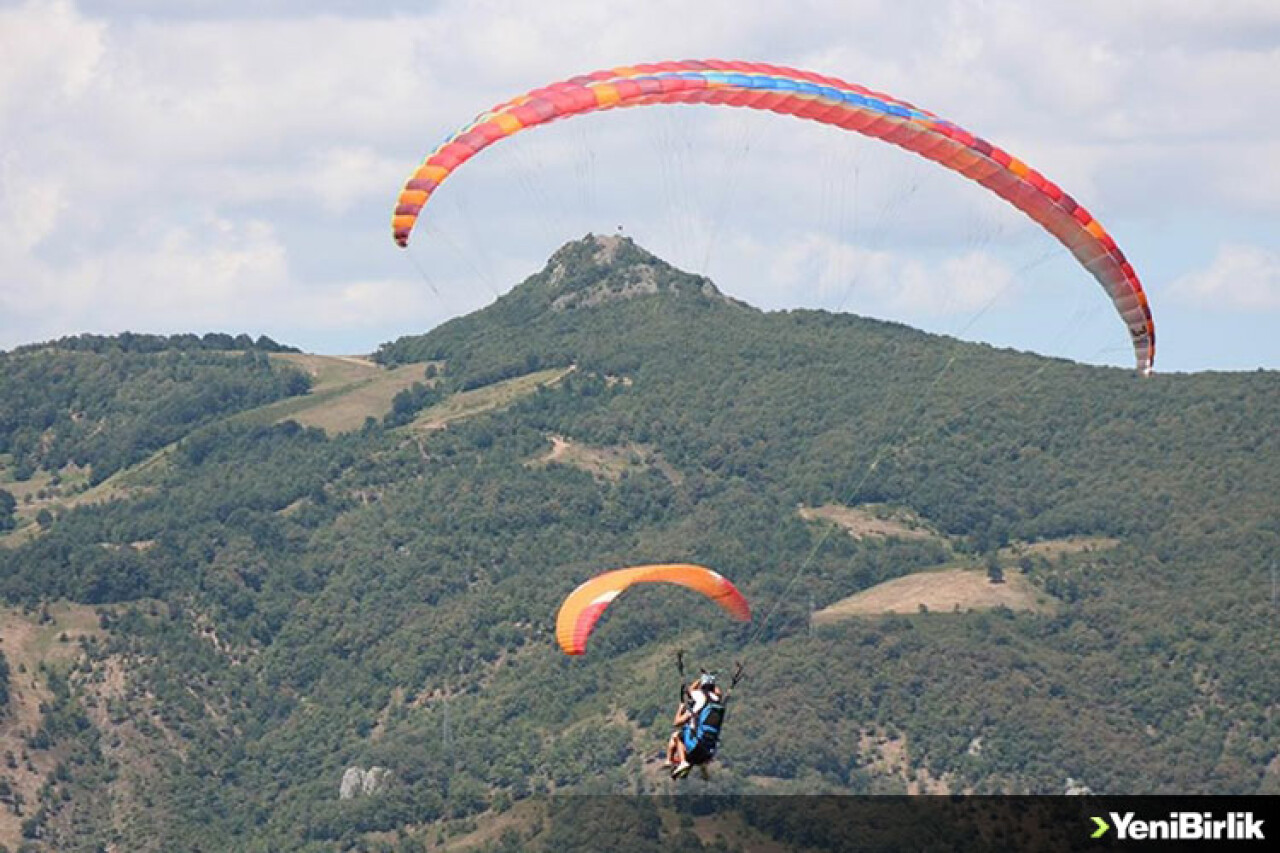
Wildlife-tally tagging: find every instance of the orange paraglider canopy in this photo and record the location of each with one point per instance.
(813, 97)
(584, 606)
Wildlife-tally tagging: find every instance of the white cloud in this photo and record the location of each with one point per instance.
(818, 270)
(161, 278)
(51, 54)
(30, 205)
(219, 274)
(342, 174)
(1239, 277)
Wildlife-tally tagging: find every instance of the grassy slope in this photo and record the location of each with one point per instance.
(939, 591)
(488, 398)
(345, 392)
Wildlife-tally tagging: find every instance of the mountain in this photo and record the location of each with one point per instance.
(264, 636)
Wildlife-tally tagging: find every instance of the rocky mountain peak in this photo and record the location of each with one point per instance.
(599, 269)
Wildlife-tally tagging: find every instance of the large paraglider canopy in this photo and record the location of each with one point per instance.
(817, 98)
(584, 606)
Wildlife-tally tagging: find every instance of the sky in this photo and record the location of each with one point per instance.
(231, 166)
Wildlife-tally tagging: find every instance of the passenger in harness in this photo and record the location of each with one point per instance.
(697, 721)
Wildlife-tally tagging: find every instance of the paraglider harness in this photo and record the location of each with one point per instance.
(701, 734)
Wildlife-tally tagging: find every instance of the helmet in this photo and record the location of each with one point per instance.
(707, 679)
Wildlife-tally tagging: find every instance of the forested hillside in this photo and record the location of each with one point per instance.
(276, 605)
(101, 404)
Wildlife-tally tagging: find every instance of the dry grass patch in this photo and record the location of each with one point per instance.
(889, 756)
(49, 637)
(499, 395)
(603, 463)
(946, 591)
(345, 391)
(873, 520)
(1050, 548)
(132, 739)
(329, 371)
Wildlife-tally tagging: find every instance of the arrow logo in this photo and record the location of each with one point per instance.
(1102, 828)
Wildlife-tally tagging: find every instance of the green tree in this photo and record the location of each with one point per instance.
(995, 572)
(8, 507)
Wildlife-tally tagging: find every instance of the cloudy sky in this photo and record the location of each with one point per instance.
(196, 166)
